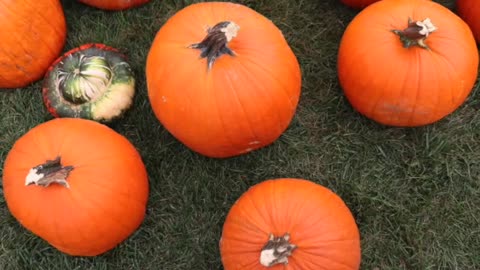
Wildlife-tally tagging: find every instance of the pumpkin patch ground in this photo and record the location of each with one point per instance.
(411, 193)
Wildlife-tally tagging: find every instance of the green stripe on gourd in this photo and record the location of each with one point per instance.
(93, 83)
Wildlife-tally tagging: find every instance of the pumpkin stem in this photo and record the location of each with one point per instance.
(276, 250)
(416, 33)
(85, 79)
(215, 43)
(49, 172)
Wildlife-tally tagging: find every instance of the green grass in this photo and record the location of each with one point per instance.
(415, 193)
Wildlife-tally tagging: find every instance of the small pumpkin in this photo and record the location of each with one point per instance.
(93, 81)
(358, 4)
(407, 62)
(114, 5)
(222, 79)
(290, 224)
(77, 184)
(469, 11)
(33, 35)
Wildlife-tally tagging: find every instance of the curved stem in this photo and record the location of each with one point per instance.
(416, 33)
(49, 172)
(215, 43)
(277, 250)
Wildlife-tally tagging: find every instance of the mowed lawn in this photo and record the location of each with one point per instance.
(415, 192)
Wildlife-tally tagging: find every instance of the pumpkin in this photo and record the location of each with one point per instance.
(358, 4)
(93, 81)
(222, 79)
(77, 184)
(290, 224)
(407, 62)
(469, 11)
(33, 35)
(114, 5)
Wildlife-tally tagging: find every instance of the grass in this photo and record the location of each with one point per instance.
(414, 192)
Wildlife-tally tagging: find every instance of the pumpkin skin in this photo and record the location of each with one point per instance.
(318, 221)
(106, 197)
(358, 4)
(114, 5)
(469, 11)
(33, 35)
(234, 105)
(399, 86)
(93, 81)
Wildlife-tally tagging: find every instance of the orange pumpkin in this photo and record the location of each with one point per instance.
(290, 224)
(469, 11)
(222, 79)
(407, 62)
(114, 5)
(77, 184)
(33, 35)
(358, 3)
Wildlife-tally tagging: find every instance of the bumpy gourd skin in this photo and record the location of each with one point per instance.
(32, 35)
(92, 82)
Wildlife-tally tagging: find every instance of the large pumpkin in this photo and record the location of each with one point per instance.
(407, 62)
(114, 5)
(290, 224)
(93, 81)
(33, 35)
(358, 3)
(77, 184)
(469, 11)
(222, 79)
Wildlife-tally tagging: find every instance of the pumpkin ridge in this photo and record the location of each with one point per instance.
(306, 264)
(125, 195)
(48, 22)
(259, 212)
(302, 205)
(274, 218)
(242, 107)
(105, 158)
(80, 202)
(222, 121)
(417, 76)
(273, 79)
(326, 258)
(40, 147)
(56, 225)
(261, 93)
(440, 57)
(88, 201)
(16, 67)
(241, 240)
(18, 41)
(46, 45)
(307, 247)
(311, 264)
(73, 201)
(388, 82)
(437, 96)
